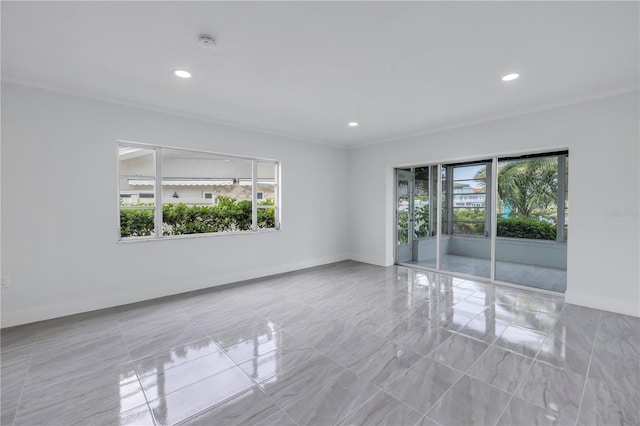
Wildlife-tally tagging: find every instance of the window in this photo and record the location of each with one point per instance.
(170, 192)
(137, 168)
(466, 186)
(533, 197)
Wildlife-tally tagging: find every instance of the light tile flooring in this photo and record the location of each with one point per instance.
(347, 343)
(552, 279)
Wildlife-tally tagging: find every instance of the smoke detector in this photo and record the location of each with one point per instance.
(206, 41)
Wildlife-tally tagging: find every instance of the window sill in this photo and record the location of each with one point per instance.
(190, 236)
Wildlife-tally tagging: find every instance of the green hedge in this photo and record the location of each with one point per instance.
(524, 227)
(179, 219)
(136, 223)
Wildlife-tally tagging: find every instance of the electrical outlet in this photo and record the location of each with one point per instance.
(4, 281)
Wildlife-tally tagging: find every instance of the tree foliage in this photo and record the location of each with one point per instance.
(528, 187)
(469, 221)
(422, 222)
(403, 227)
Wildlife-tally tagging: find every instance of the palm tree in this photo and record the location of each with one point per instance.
(527, 186)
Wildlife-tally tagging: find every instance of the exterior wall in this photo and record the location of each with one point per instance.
(194, 195)
(426, 248)
(531, 252)
(479, 247)
(602, 137)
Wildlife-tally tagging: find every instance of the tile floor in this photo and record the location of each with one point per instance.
(346, 343)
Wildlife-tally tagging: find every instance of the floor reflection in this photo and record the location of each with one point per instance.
(347, 330)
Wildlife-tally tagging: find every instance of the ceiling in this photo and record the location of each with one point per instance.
(306, 69)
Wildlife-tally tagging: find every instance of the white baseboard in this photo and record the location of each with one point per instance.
(369, 259)
(41, 313)
(608, 304)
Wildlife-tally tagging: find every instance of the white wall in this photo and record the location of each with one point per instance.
(63, 256)
(602, 137)
(64, 259)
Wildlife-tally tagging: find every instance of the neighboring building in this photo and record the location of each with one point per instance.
(467, 196)
(196, 180)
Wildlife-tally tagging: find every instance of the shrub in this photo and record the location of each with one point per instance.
(469, 221)
(524, 227)
(266, 217)
(179, 219)
(136, 223)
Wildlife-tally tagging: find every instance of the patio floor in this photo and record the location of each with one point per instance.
(516, 273)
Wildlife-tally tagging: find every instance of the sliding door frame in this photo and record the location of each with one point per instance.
(491, 212)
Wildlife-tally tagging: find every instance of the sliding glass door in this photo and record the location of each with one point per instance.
(531, 243)
(416, 215)
(404, 215)
(465, 243)
(503, 219)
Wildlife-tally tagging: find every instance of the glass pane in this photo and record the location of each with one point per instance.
(266, 195)
(468, 172)
(421, 203)
(464, 227)
(566, 199)
(137, 192)
(403, 210)
(136, 161)
(566, 220)
(136, 222)
(469, 200)
(267, 171)
(205, 193)
(465, 246)
(424, 205)
(266, 189)
(266, 218)
(527, 252)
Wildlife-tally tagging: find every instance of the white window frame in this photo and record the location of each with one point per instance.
(158, 198)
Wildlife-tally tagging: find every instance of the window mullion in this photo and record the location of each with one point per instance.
(492, 211)
(254, 195)
(158, 193)
(438, 213)
(560, 199)
(119, 228)
(449, 196)
(276, 197)
(488, 199)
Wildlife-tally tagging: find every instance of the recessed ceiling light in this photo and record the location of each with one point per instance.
(182, 73)
(510, 77)
(353, 124)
